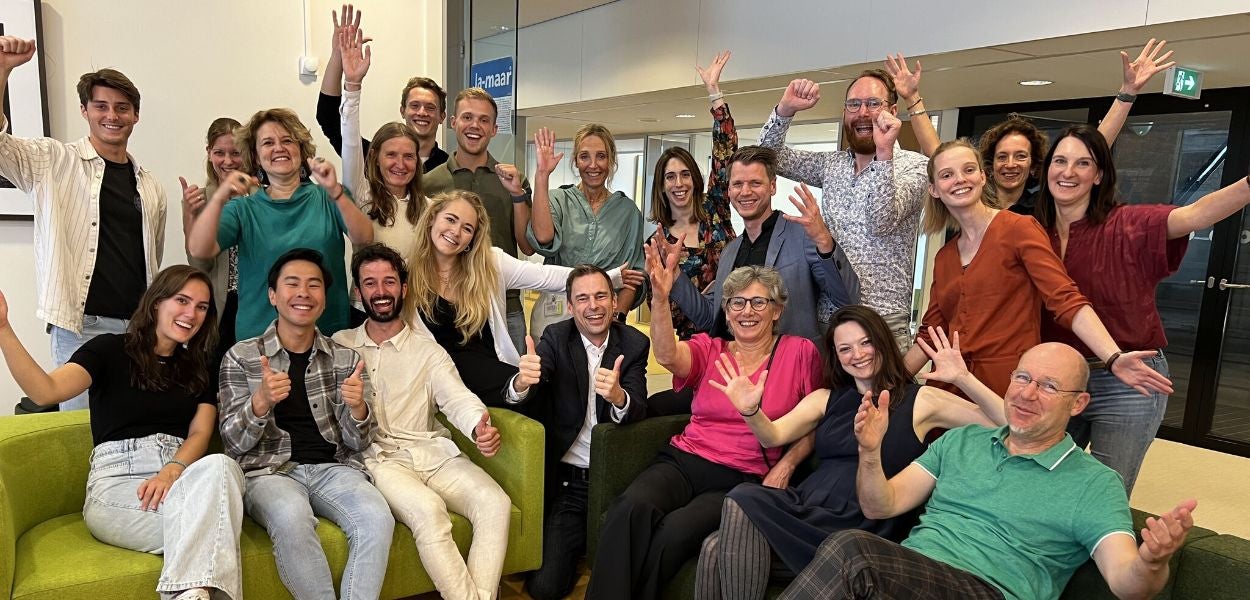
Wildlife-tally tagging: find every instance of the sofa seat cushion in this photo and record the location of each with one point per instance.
(1215, 568)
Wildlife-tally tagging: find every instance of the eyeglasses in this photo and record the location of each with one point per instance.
(1047, 388)
(854, 104)
(739, 304)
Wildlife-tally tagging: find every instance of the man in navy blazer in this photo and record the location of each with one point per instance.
(800, 248)
(586, 370)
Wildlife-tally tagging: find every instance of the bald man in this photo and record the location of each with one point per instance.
(1009, 512)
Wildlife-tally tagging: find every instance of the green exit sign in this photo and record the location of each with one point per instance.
(1184, 82)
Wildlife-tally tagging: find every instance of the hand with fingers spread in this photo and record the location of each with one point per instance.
(356, 56)
(711, 74)
(632, 279)
(14, 52)
(608, 383)
(800, 95)
(321, 171)
(486, 436)
(529, 369)
(1164, 535)
(193, 197)
(153, 490)
(510, 177)
(663, 271)
(884, 133)
(274, 388)
(1131, 368)
(1148, 63)
(906, 83)
(545, 147)
(234, 185)
(745, 395)
(871, 422)
(948, 362)
(810, 219)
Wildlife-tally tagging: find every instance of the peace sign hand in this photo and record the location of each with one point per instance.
(1148, 63)
(810, 219)
(745, 396)
(608, 383)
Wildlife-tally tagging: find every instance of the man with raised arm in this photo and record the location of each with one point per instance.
(99, 216)
(1010, 512)
(872, 191)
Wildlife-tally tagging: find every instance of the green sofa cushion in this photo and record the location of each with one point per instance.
(1215, 568)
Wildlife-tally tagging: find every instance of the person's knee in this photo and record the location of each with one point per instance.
(549, 583)
(218, 467)
(846, 541)
(710, 551)
(494, 503)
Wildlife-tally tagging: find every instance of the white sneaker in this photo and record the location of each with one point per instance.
(194, 594)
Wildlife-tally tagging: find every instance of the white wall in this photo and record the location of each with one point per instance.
(635, 46)
(193, 62)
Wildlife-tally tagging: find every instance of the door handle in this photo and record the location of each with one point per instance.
(1225, 285)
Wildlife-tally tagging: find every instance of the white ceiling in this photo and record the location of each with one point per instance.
(1081, 66)
(491, 16)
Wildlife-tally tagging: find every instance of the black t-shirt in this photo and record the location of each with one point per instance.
(294, 416)
(755, 252)
(1027, 203)
(479, 367)
(120, 274)
(121, 412)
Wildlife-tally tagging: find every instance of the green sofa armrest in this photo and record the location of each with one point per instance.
(44, 460)
(1214, 568)
(618, 453)
(518, 468)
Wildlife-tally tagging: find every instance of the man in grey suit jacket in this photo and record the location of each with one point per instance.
(800, 248)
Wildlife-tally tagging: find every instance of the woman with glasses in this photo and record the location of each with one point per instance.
(991, 281)
(661, 519)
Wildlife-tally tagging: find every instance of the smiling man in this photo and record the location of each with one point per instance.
(1009, 512)
(99, 216)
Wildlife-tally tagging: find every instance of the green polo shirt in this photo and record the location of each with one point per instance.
(495, 197)
(1022, 523)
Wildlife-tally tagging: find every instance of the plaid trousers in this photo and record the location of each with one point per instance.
(856, 564)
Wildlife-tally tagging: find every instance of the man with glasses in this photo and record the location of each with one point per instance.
(1009, 512)
(800, 248)
(873, 191)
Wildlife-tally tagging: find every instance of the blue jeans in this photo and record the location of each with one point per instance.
(65, 343)
(196, 527)
(287, 504)
(1119, 424)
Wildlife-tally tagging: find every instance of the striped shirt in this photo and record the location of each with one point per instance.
(59, 177)
(257, 443)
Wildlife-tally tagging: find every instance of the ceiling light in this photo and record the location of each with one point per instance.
(648, 120)
(684, 116)
(1036, 82)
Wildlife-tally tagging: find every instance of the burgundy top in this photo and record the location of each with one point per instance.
(1117, 265)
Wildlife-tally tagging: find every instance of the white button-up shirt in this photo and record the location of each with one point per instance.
(63, 180)
(578, 454)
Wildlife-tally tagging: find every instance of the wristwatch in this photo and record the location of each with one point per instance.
(1126, 97)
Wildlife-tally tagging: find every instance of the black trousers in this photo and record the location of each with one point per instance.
(857, 564)
(659, 523)
(564, 537)
(670, 402)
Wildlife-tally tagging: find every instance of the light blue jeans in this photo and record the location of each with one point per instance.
(1119, 424)
(287, 504)
(196, 527)
(65, 343)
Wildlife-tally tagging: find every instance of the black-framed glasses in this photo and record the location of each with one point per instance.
(739, 303)
(1045, 387)
(854, 104)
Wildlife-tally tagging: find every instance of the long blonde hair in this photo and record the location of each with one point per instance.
(475, 278)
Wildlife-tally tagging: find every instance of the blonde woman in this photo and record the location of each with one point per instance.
(223, 158)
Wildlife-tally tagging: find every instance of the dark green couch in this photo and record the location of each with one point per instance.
(46, 551)
(1209, 567)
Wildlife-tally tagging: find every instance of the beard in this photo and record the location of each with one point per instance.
(857, 144)
(382, 318)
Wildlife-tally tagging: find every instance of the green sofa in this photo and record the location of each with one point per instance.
(46, 551)
(1208, 567)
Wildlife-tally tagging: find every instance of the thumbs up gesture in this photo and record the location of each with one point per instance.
(352, 391)
(486, 436)
(193, 198)
(274, 388)
(529, 370)
(608, 383)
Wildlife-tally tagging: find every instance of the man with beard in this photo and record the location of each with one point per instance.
(413, 460)
(1009, 512)
(586, 370)
(873, 190)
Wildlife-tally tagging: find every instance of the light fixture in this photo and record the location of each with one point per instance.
(1035, 82)
(648, 120)
(684, 116)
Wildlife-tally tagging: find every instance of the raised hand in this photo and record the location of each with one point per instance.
(545, 147)
(1164, 535)
(352, 390)
(529, 369)
(274, 388)
(711, 74)
(948, 362)
(323, 174)
(906, 83)
(4, 313)
(1132, 369)
(809, 218)
(871, 422)
(357, 57)
(632, 279)
(885, 133)
(608, 383)
(510, 177)
(801, 94)
(193, 197)
(1147, 64)
(15, 52)
(745, 396)
(663, 271)
(153, 490)
(486, 436)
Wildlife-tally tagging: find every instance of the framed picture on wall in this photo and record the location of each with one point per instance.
(25, 98)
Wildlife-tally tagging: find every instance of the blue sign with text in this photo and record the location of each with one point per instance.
(495, 76)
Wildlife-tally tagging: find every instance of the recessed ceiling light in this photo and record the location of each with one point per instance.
(648, 120)
(684, 116)
(1036, 82)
